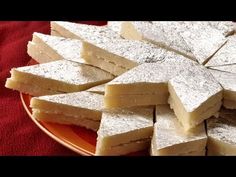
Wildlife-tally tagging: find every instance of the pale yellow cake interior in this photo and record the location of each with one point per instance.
(128, 95)
(46, 83)
(62, 31)
(37, 53)
(45, 48)
(69, 110)
(184, 149)
(105, 60)
(128, 31)
(170, 138)
(65, 119)
(219, 148)
(123, 131)
(29, 88)
(123, 149)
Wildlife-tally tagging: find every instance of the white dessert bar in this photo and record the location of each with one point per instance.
(186, 38)
(37, 54)
(105, 49)
(124, 131)
(221, 135)
(56, 48)
(57, 76)
(169, 137)
(145, 84)
(79, 108)
(123, 54)
(195, 95)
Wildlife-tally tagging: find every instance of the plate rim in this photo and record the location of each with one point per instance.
(63, 142)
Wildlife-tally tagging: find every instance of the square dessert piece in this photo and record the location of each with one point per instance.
(221, 134)
(195, 95)
(124, 131)
(80, 108)
(146, 84)
(169, 137)
(226, 55)
(56, 77)
(186, 38)
(56, 48)
(228, 82)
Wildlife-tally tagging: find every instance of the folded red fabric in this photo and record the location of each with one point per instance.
(18, 134)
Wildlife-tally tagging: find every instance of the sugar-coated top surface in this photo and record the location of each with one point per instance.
(226, 55)
(123, 121)
(88, 32)
(86, 100)
(195, 86)
(227, 80)
(169, 132)
(67, 71)
(190, 38)
(222, 129)
(160, 72)
(68, 49)
(115, 26)
(202, 40)
(225, 68)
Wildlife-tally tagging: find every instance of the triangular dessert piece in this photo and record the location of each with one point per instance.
(145, 84)
(119, 56)
(221, 134)
(56, 48)
(105, 49)
(124, 131)
(169, 137)
(58, 76)
(186, 38)
(80, 108)
(195, 95)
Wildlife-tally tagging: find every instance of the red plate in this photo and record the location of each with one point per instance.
(78, 139)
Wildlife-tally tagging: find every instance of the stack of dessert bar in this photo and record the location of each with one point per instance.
(169, 87)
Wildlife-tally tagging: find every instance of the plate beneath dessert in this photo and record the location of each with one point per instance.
(78, 139)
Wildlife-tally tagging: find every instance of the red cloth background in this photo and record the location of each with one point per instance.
(18, 134)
